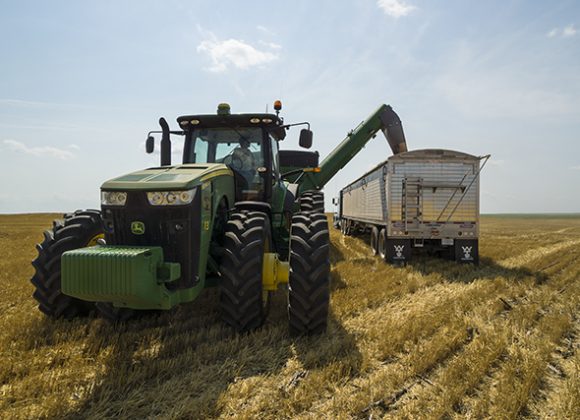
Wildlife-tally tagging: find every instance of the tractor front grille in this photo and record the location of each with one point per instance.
(176, 229)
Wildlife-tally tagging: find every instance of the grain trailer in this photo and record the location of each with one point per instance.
(419, 199)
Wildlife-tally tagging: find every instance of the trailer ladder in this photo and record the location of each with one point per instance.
(412, 205)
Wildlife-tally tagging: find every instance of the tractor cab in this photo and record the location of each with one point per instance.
(245, 143)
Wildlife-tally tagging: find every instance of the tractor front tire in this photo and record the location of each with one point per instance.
(78, 230)
(243, 304)
(309, 285)
(114, 314)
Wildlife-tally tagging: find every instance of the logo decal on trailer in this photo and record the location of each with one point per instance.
(467, 252)
(399, 251)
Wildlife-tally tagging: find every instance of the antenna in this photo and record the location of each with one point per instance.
(266, 108)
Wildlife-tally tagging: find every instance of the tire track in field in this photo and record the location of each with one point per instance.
(359, 254)
(477, 400)
(515, 292)
(451, 381)
(560, 392)
(536, 253)
(403, 368)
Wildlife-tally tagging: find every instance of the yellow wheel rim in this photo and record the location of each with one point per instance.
(95, 238)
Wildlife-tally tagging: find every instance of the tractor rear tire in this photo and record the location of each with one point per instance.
(309, 285)
(243, 303)
(78, 230)
(312, 201)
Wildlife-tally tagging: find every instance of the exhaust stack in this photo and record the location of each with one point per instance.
(165, 143)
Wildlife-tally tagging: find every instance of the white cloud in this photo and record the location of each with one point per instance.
(395, 8)
(74, 146)
(44, 151)
(575, 168)
(568, 31)
(271, 45)
(233, 52)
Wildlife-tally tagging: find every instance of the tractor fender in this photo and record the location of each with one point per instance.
(254, 205)
(290, 198)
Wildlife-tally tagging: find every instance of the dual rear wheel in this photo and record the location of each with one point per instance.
(379, 242)
(243, 302)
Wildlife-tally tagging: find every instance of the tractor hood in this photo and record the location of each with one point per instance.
(179, 177)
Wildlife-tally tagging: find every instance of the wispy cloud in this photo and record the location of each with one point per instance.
(264, 29)
(565, 32)
(271, 45)
(575, 168)
(569, 31)
(234, 53)
(396, 8)
(43, 151)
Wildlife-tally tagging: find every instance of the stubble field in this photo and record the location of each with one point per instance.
(433, 339)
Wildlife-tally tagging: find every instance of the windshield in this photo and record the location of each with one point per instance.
(239, 148)
(222, 145)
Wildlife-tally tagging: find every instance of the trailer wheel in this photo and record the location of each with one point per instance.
(309, 285)
(243, 304)
(382, 244)
(78, 230)
(312, 201)
(375, 240)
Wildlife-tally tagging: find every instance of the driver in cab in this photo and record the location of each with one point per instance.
(243, 160)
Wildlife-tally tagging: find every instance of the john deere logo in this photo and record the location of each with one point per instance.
(138, 228)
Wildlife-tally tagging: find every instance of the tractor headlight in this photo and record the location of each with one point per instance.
(170, 198)
(113, 198)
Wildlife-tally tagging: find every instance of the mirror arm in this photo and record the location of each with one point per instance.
(287, 126)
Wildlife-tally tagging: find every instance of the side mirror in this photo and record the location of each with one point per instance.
(305, 138)
(150, 144)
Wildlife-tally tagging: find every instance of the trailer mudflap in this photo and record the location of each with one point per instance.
(133, 277)
(467, 251)
(398, 251)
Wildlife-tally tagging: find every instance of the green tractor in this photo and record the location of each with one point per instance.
(237, 213)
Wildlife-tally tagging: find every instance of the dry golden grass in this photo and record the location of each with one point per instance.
(431, 340)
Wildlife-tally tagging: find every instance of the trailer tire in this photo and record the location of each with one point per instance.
(382, 244)
(309, 283)
(78, 230)
(243, 304)
(375, 240)
(312, 201)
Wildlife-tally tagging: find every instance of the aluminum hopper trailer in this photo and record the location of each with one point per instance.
(419, 199)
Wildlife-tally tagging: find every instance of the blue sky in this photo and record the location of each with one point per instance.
(82, 82)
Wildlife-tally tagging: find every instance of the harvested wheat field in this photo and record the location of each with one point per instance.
(433, 339)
